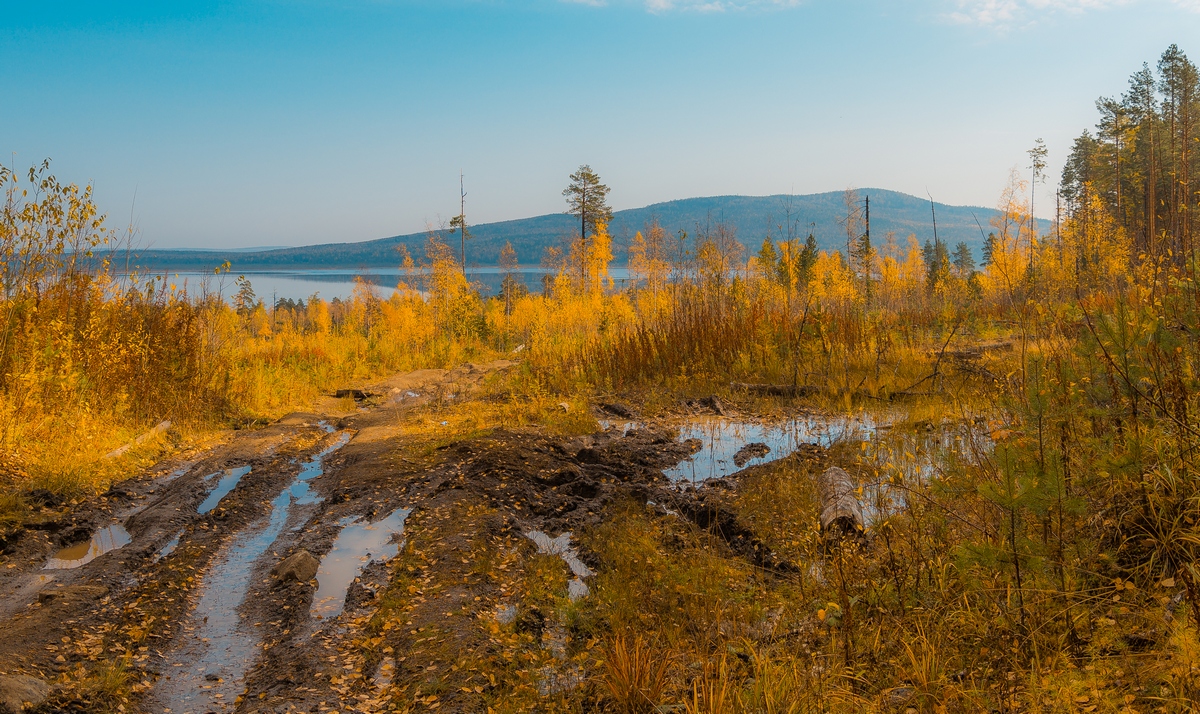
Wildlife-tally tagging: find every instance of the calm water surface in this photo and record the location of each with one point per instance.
(274, 285)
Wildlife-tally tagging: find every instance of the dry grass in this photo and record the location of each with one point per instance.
(635, 674)
(1046, 562)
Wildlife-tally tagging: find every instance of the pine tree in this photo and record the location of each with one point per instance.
(964, 262)
(587, 199)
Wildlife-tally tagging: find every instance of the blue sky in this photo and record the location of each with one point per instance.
(285, 123)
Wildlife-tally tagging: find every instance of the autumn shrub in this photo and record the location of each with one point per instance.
(86, 359)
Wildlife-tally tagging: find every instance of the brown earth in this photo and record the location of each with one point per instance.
(456, 621)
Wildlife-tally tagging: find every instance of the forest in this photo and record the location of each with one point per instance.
(1027, 475)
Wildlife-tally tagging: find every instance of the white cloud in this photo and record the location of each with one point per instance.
(1009, 13)
(657, 6)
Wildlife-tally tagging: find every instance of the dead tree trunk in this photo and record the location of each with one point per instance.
(841, 510)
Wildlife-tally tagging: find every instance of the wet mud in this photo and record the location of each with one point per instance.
(172, 571)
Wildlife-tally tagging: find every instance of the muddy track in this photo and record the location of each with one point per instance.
(198, 534)
(192, 606)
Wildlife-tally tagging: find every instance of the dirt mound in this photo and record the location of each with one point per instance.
(558, 485)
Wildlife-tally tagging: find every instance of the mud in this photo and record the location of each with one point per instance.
(208, 670)
(438, 535)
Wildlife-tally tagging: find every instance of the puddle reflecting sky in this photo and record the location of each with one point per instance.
(218, 641)
(721, 439)
(357, 545)
(300, 492)
(561, 546)
(168, 548)
(918, 455)
(224, 486)
(104, 540)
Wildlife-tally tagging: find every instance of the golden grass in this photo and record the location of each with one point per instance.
(1046, 564)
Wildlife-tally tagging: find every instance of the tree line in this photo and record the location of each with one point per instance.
(1143, 161)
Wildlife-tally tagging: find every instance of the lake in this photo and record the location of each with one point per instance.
(273, 285)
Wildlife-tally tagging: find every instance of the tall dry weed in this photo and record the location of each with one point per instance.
(635, 673)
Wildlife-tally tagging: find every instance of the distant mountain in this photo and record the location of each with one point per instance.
(754, 217)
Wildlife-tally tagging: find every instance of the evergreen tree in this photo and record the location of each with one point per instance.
(964, 262)
(245, 300)
(587, 200)
(1143, 163)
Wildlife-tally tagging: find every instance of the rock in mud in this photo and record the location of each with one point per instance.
(20, 693)
(750, 451)
(301, 566)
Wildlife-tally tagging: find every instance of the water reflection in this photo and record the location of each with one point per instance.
(721, 440)
(103, 541)
(356, 546)
(219, 645)
(227, 483)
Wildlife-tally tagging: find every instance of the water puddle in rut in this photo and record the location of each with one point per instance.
(218, 647)
(224, 486)
(561, 546)
(357, 545)
(106, 539)
(918, 454)
(724, 442)
(168, 548)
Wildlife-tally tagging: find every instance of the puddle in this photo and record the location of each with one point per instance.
(383, 675)
(357, 545)
(560, 677)
(104, 540)
(224, 486)
(724, 442)
(218, 647)
(915, 459)
(917, 456)
(577, 589)
(561, 546)
(168, 548)
(300, 492)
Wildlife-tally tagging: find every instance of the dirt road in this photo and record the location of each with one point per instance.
(167, 593)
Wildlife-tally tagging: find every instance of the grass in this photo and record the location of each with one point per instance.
(1046, 561)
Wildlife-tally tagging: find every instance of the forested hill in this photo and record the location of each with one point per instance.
(752, 216)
